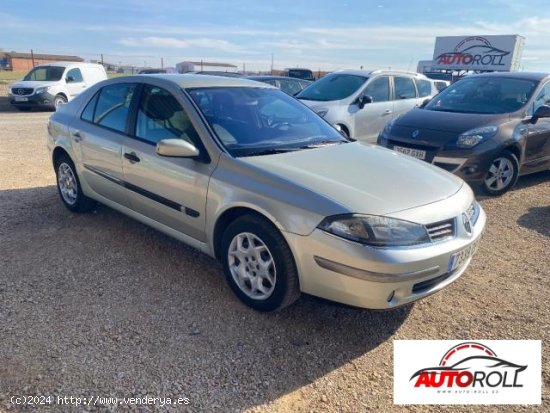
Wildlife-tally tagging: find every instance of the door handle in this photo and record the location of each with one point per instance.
(77, 136)
(132, 157)
(387, 112)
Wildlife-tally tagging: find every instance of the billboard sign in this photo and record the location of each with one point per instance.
(500, 53)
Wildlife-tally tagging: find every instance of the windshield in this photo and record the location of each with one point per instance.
(484, 95)
(46, 73)
(335, 86)
(260, 121)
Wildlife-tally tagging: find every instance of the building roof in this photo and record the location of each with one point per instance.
(44, 56)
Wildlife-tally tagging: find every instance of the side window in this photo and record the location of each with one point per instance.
(88, 112)
(160, 116)
(113, 106)
(424, 87)
(404, 88)
(543, 98)
(74, 76)
(378, 89)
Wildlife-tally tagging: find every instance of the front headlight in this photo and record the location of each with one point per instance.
(375, 230)
(321, 112)
(475, 136)
(40, 90)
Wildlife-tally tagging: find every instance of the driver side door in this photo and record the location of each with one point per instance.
(372, 118)
(169, 190)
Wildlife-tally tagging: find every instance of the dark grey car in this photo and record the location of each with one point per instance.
(488, 129)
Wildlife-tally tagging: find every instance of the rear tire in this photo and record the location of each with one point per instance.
(258, 264)
(502, 174)
(68, 186)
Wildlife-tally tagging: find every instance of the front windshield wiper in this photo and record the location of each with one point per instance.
(269, 151)
(321, 143)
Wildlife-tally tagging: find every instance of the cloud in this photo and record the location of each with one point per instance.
(174, 43)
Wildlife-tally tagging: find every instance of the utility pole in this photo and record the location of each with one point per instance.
(244, 68)
(32, 58)
(101, 59)
(271, 63)
(162, 62)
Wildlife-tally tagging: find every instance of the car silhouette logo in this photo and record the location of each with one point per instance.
(415, 134)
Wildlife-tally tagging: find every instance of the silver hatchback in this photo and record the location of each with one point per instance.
(362, 102)
(248, 175)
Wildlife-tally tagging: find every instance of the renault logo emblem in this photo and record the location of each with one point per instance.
(415, 134)
(467, 224)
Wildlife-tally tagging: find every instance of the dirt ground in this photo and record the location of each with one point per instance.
(100, 305)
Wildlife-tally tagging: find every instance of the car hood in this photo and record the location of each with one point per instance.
(425, 119)
(31, 84)
(362, 178)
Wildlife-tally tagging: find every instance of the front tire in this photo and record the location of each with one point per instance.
(59, 100)
(258, 264)
(69, 187)
(502, 174)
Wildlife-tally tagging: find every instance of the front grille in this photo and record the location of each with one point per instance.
(441, 230)
(22, 91)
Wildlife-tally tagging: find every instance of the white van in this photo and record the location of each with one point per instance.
(53, 84)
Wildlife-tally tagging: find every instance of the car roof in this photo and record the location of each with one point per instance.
(537, 76)
(368, 73)
(191, 81)
(274, 77)
(68, 64)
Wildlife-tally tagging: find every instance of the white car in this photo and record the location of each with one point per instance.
(53, 84)
(361, 102)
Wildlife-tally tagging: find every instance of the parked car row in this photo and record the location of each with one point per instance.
(251, 176)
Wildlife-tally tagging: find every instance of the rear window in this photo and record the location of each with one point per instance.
(301, 73)
(404, 88)
(424, 87)
(110, 106)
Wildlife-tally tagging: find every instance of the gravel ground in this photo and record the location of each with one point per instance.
(100, 305)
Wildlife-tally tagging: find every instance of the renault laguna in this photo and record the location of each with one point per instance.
(251, 176)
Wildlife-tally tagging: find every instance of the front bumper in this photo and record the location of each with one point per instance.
(40, 100)
(469, 164)
(378, 278)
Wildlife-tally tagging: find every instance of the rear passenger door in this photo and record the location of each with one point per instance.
(372, 118)
(405, 95)
(99, 135)
(169, 190)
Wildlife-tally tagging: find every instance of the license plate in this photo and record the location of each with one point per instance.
(459, 258)
(415, 153)
(21, 99)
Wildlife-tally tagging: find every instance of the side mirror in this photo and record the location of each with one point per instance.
(70, 79)
(542, 112)
(177, 148)
(363, 100)
(425, 102)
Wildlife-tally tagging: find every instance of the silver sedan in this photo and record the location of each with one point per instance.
(252, 177)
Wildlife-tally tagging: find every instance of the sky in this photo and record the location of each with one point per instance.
(320, 35)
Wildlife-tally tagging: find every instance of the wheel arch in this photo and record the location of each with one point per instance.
(231, 214)
(58, 152)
